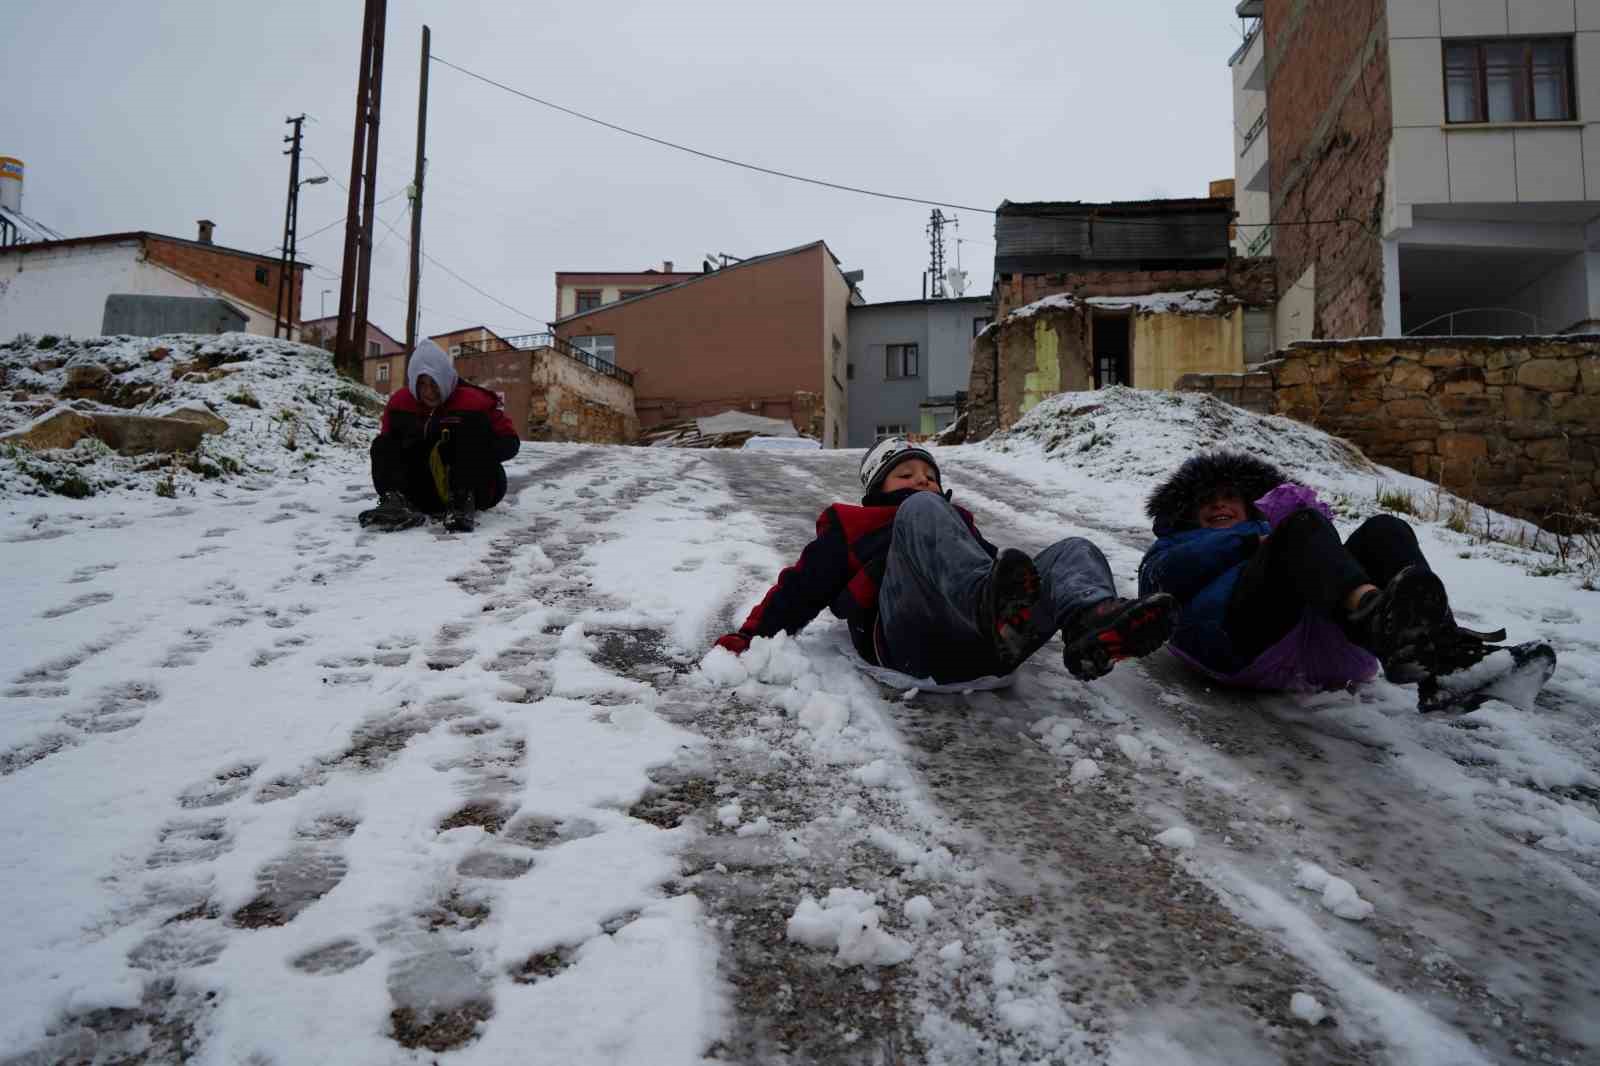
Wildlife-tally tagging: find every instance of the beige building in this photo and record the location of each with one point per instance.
(582, 290)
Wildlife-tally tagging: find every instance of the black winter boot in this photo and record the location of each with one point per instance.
(1405, 624)
(1116, 629)
(393, 513)
(1005, 606)
(461, 516)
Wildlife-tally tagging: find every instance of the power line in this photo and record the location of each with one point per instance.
(464, 281)
(859, 190)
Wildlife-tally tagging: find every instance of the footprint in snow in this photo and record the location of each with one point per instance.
(91, 599)
(88, 573)
(186, 652)
(116, 708)
(219, 531)
(178, 947)
(335, 956)
(184, 841)
(221, 787)
(289, 884)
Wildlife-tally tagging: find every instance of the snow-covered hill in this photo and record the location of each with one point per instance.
(285, 407)
(275, 789)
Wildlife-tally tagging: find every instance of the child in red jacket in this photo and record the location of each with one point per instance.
(439, 448)
(926, 595)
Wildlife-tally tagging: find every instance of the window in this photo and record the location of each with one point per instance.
(588, 299)
(374, 349)
(603, 346)
(980, 324)
(900, 361)
(885, 432)
(383, 372)
(261, 275)
(1509, 79)
(455, 350)
(849, 371)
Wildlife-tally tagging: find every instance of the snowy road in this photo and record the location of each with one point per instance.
(272, 785)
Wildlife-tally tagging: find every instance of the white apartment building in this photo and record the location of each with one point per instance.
(1489, 219)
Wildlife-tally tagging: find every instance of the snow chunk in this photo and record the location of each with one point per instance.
(874, 775)
(824, 716)
(758, 828)
(1178, 837)
(1134, 749)
(1084, 770)
(729, 814)
(847, 921)
(919, 910)
(1307, 1008)
(953, 952)
(1338, 895)
(722, 668)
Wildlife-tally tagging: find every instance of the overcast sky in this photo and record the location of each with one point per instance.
(152, 115)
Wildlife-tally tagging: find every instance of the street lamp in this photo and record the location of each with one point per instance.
(292, 224)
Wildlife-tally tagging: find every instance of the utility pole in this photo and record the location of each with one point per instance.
(416, 198)
(283, 320)
(357, 270)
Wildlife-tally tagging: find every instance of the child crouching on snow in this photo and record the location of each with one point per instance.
(926, 595)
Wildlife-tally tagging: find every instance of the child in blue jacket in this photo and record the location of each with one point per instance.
(1272, 598)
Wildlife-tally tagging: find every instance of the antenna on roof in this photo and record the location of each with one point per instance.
(937, 275)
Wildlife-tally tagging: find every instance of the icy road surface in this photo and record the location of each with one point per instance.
(277, 790)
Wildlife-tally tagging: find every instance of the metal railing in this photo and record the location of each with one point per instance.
(1450, 317)
(527, 341)
(1253, 132)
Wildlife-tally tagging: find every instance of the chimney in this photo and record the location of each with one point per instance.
(666, 266)
(206, 226)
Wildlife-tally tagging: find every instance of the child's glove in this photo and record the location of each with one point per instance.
(737, 643)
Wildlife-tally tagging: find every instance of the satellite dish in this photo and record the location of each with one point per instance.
(957, 280)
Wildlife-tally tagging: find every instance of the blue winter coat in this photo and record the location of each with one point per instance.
(1201, 567)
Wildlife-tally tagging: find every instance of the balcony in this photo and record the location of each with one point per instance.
(530, 341)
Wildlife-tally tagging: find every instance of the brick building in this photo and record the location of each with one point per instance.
(765, 335)
(382, 357)
(60, 286)
(1430, 166)
(1136, 293)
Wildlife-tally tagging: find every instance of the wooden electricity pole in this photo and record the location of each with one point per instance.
(416, 199)
(356, 274)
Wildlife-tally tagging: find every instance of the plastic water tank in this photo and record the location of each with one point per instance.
(10, 183)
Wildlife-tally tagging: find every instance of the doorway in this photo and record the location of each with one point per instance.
(1111, 351)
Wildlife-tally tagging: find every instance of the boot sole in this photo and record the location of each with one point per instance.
(1136, 630)
(1422, 611)
(1014, 590)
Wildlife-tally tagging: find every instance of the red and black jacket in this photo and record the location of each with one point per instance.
(409, 422)
(841, 569)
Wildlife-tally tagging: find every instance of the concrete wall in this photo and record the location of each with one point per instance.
(943, 333)
(62, 290)
(747, 338)
(835, 353)
(1166, 347)
(1513, 423)
(248, 282)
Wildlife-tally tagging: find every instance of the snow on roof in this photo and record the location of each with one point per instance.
(1186, 302)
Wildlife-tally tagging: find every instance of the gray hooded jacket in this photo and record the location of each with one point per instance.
(430, 359)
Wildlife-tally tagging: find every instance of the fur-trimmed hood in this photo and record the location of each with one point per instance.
(1172, 504)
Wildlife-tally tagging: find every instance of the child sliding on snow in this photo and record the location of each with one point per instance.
(439, 448)
(926, 595)
(1273, 599)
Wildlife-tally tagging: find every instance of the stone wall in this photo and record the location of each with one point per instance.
(552, 397)
(1513, 423)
